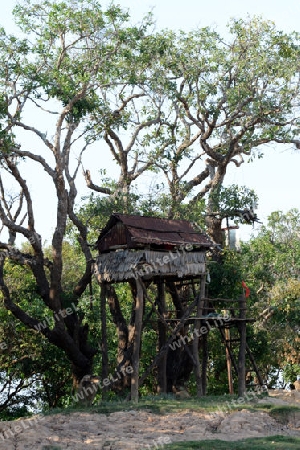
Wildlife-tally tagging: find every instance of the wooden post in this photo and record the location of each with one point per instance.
(162, 364)
(205, 355)
(197, 325)
(228, 361)
(137, 342)
(242, 349)
(104, 348)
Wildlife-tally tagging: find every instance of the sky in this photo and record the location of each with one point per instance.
(275, 177)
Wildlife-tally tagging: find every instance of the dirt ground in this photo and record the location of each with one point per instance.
(136, 429)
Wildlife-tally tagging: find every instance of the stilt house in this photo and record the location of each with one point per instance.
(150, 248)
(170, 254)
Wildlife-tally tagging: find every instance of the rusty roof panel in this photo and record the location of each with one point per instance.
(149, 230)
(168, 238)
(155, 223)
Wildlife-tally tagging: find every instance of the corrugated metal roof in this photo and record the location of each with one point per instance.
(154, 230)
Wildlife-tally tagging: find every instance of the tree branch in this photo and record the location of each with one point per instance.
(94, 187)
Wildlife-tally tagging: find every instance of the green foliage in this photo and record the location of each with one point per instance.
(160, 203)
(73, 56)
(230, 201)
(213, 67)
(271, 264)
(27, 378)
(285, 299)
(290, 372)
(226, 278)
(24, 362)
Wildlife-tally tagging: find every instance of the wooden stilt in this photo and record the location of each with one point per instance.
(104, 347)
(242, 349)
(205, 353)
(228, 361)
(197, 325)
(162, 364)
(137, 341)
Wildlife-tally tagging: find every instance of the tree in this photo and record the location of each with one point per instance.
(151, 98)
(271, 264)
(233, 202)
(76, 51)
(226, 98)
(28, 381)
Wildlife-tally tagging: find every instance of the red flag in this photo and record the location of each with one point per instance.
(247, 290)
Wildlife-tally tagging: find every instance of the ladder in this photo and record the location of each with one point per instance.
(228, 343)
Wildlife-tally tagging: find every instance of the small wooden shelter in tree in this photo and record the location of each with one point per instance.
(170, 254)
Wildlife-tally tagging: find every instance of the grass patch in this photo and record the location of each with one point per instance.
(51, 447)
(268, 443)
(163, 404)
(265, 406)
(284, 414)
(155, 404)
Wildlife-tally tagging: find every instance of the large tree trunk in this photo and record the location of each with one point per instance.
(180, 360)
(119, 321)
(213, 221)
(125, 336)
(214, 229)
